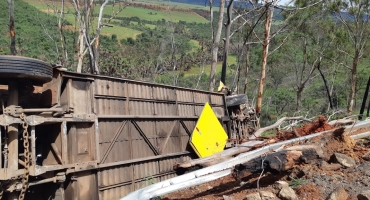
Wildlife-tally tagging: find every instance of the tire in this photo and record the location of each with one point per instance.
(17, 67)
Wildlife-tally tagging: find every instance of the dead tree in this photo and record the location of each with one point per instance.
(216, 42)
(87, 43)
(227, 41)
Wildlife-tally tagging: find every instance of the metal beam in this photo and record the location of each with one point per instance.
(174, 117)
(154, 149)
(186, 128)
(13, 128)
(113, 141)
(167, 137)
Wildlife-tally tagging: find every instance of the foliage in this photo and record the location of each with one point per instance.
(37, 35)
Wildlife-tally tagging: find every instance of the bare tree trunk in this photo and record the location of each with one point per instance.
(11, 27)
(227, 41)
(326, 85)
(97, 41)
(87, 10)
(81, 53)
(266, 44)
(211, 18)
(216, 42)
(299, 96)
(352, 96)
(61, 35)
(247, 63)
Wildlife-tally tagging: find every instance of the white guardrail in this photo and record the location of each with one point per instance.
(222, 169)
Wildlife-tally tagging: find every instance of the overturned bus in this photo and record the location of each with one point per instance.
(67, 135)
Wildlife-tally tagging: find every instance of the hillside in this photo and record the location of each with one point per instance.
(31, 38)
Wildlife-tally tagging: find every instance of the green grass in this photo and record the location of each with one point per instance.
(142, 13)
(130, 11)
(269, 133)
(151, 26)
(194, 45)
(207, 69)
(121, 32)
(176, 4)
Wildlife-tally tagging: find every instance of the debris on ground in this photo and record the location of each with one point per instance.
(330, 166)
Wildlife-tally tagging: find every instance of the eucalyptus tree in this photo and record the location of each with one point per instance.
(215, 44)
(311, 40)
(88, 43)
(354, 18)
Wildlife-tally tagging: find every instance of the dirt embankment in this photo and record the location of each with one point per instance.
(313, 179)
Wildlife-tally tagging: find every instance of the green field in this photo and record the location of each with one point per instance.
(207, 69)
(175, 4)
(121, 32)
(144, 14)
(194, 45)
(151, 26)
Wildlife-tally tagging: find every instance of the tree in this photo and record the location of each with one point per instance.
(354, 17)
(214, 49)
(266, 43)
(86, 44)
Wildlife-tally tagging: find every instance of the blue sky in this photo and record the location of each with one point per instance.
(284, 2)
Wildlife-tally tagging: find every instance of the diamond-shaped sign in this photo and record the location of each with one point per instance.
(208, 137)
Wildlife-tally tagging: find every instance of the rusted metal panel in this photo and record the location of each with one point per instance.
(143, 91)
(80, 96)
(184, 95)
(110, 106)
(165, 109)
(81, 142)
(121, 149)
(186, 110)
(164, 93)
(217, 99)
(200, 97)
(141, 108)
(50, 91)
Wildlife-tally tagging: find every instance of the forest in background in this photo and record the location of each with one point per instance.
(307, 46)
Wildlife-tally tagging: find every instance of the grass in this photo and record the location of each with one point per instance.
(207, 69)
(194, 45)
(296, 182)
(177, 4)
(151, 26)
(269, 133)
(144, 14)
(121, 32)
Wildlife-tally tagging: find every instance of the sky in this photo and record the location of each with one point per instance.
(284, 2)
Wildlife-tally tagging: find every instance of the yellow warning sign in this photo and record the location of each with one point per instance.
(208, 137)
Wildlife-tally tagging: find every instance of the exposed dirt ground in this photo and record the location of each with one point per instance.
(313, 180)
